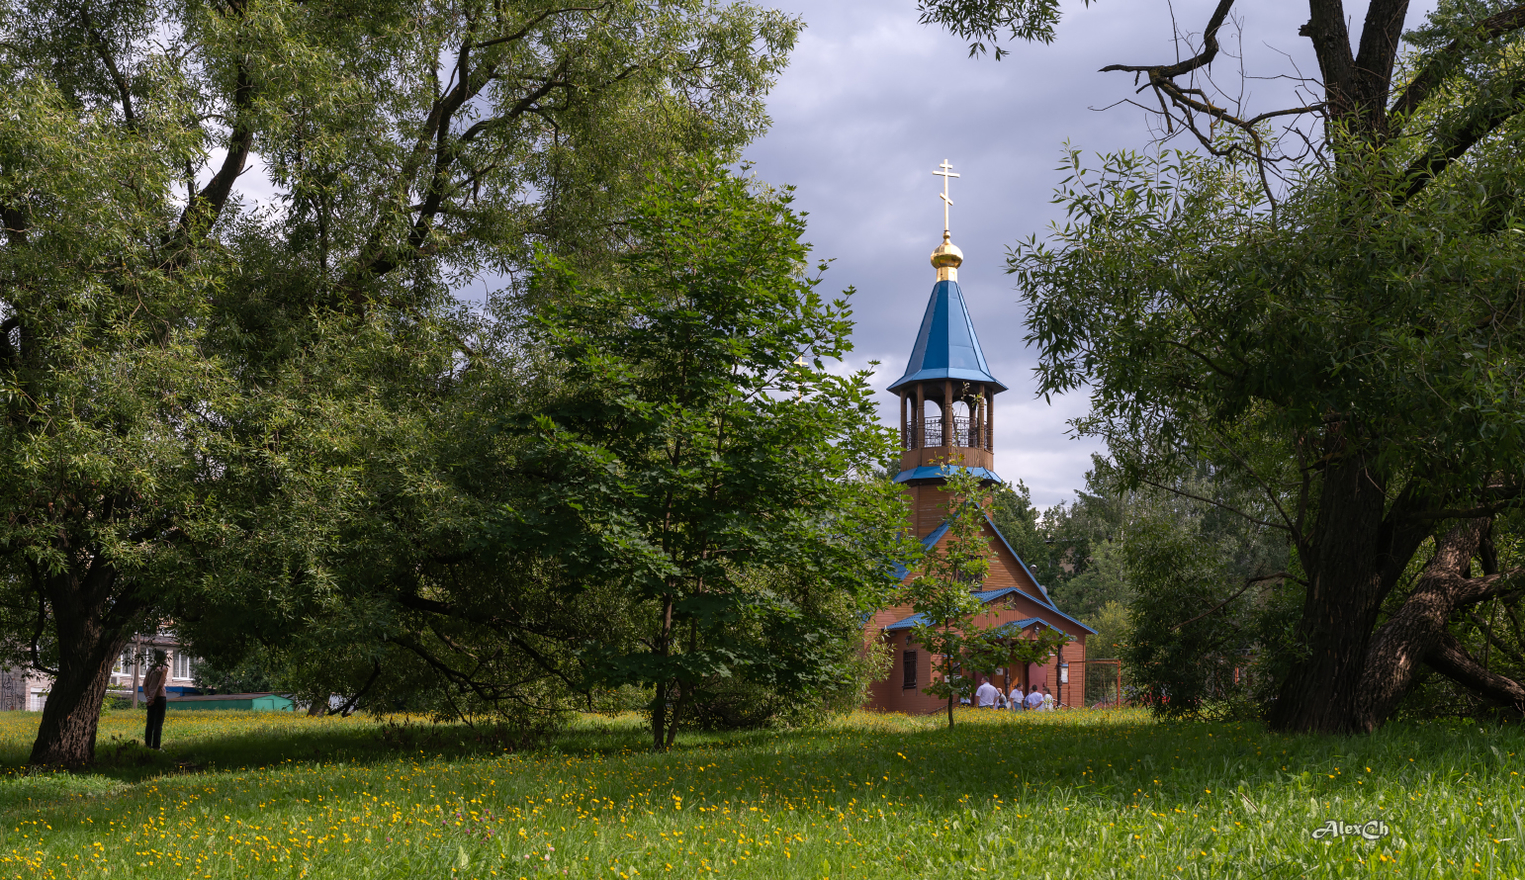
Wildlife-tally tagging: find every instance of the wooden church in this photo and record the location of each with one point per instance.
(947, 419)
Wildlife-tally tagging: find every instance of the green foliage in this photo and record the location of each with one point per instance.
(1214, 329)
(231, 404)
(1101, 578)
(1332, 328)
(254, 673)
(1072, 547)
(1113, 632)
(699, 459)
(986, 21)
(1021, 524)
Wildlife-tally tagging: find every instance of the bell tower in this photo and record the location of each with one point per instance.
(947, 395)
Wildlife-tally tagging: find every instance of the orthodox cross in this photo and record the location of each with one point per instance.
(945, 173)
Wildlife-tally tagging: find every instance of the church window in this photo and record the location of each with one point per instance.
(909, 662)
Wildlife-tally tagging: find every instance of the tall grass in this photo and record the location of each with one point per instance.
(1078, 794)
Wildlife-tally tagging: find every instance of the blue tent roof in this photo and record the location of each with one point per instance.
(946, 346)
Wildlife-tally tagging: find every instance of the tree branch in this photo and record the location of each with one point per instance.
(104, 51)
(1480, 123)
(203, 210)
(1248, 582)
(522, 32)
(1450, 658)
(1201, 59)
(1183, 493)
(1487, 631)
(1443, 62)
(1380, 37)
(349, 705)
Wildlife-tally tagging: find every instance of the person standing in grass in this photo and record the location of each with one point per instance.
(985, 695)
(1014, 702)
(1048, 700)
(158, 699)
(1034, 698)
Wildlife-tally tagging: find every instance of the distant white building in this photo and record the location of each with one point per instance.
(27, 689)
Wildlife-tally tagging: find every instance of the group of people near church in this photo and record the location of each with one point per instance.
(988, 696)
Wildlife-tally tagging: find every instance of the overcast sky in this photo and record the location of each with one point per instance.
(873, 101)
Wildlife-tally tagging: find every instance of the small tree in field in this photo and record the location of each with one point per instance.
(942, 593)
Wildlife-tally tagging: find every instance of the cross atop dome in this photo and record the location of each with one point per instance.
(947, 258)
(947, 393)
(945, 173)
(947, 347)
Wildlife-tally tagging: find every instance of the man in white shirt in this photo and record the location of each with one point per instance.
(985, 695)
(1014, 702)
(1034, 699)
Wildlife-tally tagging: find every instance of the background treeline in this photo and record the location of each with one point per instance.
(1190, 586)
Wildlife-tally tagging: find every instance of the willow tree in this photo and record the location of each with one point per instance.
(227, 224)
(1335, 323)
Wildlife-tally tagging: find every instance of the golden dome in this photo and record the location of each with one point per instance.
(947, 255)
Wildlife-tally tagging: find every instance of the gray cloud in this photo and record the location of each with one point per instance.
(873, 101)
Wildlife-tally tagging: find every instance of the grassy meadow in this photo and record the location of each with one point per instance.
(1069, 794)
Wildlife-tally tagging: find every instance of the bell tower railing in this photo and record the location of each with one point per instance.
(927, 423)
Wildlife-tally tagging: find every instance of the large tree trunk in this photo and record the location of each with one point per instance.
(1414, 631)
(66, 736)
(1344, 593)
(92, 627)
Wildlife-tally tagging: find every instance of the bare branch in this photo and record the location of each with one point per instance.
(349, 705)
(1248, 582)
(1201, 59)
(1231, 509)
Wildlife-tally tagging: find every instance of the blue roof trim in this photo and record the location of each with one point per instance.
(1073, 620)
(939, 471)
(1019, 625)
(1029, 572)
(900, 570)
(946, 345)
(995, 594)
(992, 595)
